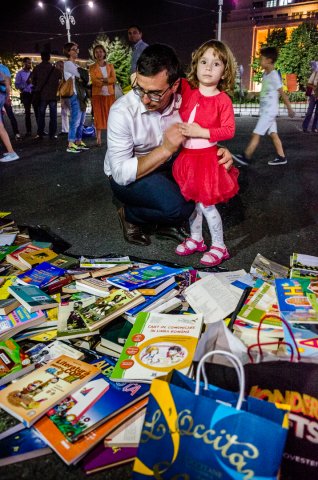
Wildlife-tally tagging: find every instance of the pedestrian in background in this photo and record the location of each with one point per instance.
(23, 83)
(312, 93)
(138, 46)
(272, 89)
(103, 79)
(5, 91)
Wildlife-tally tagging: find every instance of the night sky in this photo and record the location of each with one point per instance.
(183, 24)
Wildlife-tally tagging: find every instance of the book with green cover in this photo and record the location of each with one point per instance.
(115, 334)
(32, 298)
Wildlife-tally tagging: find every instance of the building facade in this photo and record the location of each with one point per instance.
(248, 25)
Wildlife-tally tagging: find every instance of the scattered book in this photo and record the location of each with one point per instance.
(303, 266)
(128, 434)
(7, 305)
(32, 298)
(40, 275)
(13, 257)
(296, 303)
(106, 309)
(152, 301)
(41, 353)
(31, 259)
(31, 396)
(70, 323)
(103, 458)
(22, 445)
(17, 320)
(106, 271)
(5, 283)
(268, 270)
(158, 343)
(157, 288)
(115, 334)
(8, 424)
(14, 362)
(106, 350)
(7, 250)
(64, 261)
(143, 277)
(78, 273)
(57, 284)
(94, 286)
(103, 262)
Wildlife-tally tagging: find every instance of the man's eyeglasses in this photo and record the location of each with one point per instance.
(153, 97)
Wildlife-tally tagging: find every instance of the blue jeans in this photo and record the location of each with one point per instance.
(313, 105)
(154, 199)
(2, 102)
(77, 119)
(53, 117)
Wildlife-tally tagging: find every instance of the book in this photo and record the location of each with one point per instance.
(106, 271)
(32, 298)
(143, 277)
(13, 257)
(7, 238)
(14, 362)
(8, 424)
(78, 273)
(115, 334)
(267, 269)
(303, 266)
(70, 287)
(87, 342)
(97, 401)
(214, 298)
(5, 283)
(295, 301)
(7, 250)
(128, 434)
(103, 458)
(94, 286)
(7, 305)
(64, 261)
(40, 275)
(103, 262)
(31, 259)
(22, 445)
(158, 343)
(17, 320)
(106, 350)
(31, 396)
(153, 301)
(306, 337)
(42, 353)
(71, 453)
(156, 288)
(106, 309)
(70, 324)
(56, 285)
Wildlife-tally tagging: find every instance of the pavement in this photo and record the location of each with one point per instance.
(275, 214)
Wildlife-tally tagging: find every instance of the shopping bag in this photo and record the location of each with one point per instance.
(65, 88)
(192, 433)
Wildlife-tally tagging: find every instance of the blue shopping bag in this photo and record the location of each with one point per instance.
(192, 433)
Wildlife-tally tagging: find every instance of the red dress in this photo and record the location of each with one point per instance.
(196, 170)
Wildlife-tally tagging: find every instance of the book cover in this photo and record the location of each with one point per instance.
(13, 257)
(102, 458)
(22, 445)
(64, 261)
(128, 434)
(70, 324)
(142, 277)
(158, 343)
(14, 362)
(5, 283)
(40, 275)
(106, 350)
(30, 259)
(32, 298)
(31, 396)
(106, 309)
(296, 303)
(303, 266)
(103, 262)
(115, 334)
(267, 269)
(17, 320)
(94, 286)
(152, 300)
(157, 287)
(8, 424)
(42, 353)
(306, 337)
(107, 271)
(99, 400)
(7, 305)
(263, 304)
(71, 453)
(7, 250)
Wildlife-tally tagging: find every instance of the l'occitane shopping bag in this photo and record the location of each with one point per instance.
(191, 433)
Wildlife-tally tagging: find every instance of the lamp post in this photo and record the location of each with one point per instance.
(220, 4)
(66, 18)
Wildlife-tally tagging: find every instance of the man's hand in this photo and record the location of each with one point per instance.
(172, 138)
(225, 157)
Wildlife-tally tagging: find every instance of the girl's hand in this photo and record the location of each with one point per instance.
(193, 130)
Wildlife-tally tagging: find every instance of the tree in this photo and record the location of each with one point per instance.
(296, 55)
(276, 38)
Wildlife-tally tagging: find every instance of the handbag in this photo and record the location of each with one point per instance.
(200, 434)
(66, 88)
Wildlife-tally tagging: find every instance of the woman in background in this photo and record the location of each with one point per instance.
(103, 80)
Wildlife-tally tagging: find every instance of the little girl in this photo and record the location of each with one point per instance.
(208, 111)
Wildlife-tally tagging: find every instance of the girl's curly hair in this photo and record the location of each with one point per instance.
(227, 83)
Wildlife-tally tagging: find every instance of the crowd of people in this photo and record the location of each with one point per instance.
(163, 161)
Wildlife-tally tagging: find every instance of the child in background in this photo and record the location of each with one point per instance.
(272, 88)
(208, 117)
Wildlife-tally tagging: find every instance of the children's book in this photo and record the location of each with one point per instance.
(31, 396)
(295, 301)
(303, 266)
(40, 275)
(103, 458)
(22, 445)
(31, 259)
(153, 300)
(42, 353)
(70, 324)
(143, 277)
(267, 269)
(103, 262)
(32, 298)
(306, 337)
(94, 286)
(106, 309)
(115, 334)
(17, 320)
(8, 424)
(71, 453)
(158, 343)
(95, 402)
(14, 362)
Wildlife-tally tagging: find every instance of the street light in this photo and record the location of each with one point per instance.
(66, 18)
(220, 3)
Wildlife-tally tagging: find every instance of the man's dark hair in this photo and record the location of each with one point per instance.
(270, 52)
(25, 59)
(135, 26)
(45, 56)
(158, 57)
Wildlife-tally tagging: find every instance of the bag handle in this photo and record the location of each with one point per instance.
(238, 368)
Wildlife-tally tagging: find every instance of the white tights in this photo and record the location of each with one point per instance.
(214, 221)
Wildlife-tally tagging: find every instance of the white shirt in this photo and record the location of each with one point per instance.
(269, 96)
(70, 70)
(132, 132)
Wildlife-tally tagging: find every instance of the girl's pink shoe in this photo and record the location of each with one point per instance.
(211, 259)
(189, 246)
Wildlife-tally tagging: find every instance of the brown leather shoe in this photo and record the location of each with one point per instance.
(132, 233)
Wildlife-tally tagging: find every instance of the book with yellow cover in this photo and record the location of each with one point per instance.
(31, 259)
(30, 397)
